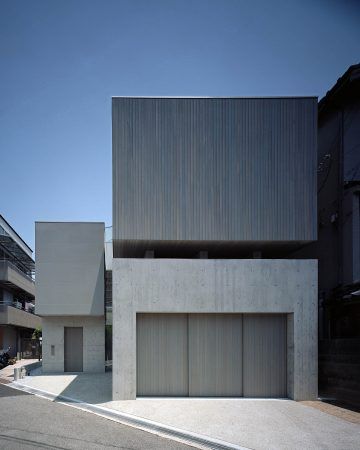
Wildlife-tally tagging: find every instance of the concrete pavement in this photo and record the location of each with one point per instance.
(7, 373)
(29, 422)
(253, 423)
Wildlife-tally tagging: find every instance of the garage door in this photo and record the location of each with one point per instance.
(211, 355)
(215, 355)
(264, 355)
(162, 354)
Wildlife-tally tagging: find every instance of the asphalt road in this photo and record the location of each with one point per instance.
(30, 422)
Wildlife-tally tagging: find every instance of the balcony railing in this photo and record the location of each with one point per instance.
(16, 269)
(18, 305)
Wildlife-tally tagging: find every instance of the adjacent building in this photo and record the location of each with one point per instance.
(211, 197)
(338, 247)
(17, 293)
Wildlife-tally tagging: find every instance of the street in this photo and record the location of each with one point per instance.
(30, 422)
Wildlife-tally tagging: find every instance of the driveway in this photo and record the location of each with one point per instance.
(252, 423)
(29, 422)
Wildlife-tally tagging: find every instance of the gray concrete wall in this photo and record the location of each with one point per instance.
(214, 169)
(9, 315)
(69, 268)
(221, 286)
(93, 342)
(11, 274)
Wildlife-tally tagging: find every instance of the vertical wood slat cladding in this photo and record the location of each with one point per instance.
(214, 169)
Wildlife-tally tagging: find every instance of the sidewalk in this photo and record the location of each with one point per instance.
(249, 423)
(7, 373)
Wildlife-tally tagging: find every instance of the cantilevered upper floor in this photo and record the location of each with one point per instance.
(228, 175)
(70, 268)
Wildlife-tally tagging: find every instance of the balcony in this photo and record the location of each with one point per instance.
(14, 278)
(14, 314)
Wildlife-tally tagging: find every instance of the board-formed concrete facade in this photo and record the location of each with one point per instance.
(217, 286)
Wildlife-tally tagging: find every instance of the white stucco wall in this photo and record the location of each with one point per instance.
(221, 286)
(93, 342)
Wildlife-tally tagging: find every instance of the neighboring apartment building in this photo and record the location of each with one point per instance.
(17, 293)
(210, 197)
(338, 247)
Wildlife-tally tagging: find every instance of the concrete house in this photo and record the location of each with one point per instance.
(17, 293)
(70, 286)
(211, 196)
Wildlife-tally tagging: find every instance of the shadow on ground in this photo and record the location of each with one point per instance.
(90, 388)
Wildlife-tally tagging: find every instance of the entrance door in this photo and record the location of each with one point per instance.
(73, 349)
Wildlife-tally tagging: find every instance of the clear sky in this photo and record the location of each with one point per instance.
(61, 61)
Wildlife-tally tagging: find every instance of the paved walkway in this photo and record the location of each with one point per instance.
(7, 373)
(256, 424)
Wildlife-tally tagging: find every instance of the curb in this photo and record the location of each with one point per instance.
(187, 437)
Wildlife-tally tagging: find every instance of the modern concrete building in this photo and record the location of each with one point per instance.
(17, 293)
(70, 295)
(210, 197)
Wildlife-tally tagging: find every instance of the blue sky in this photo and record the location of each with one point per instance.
(61, 62)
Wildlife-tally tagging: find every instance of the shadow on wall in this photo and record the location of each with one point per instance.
(99, 286)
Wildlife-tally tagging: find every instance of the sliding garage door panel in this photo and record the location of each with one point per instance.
(264, 347)
(162, 354)
(215, 355)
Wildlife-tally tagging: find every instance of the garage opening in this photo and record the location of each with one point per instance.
(212, 355)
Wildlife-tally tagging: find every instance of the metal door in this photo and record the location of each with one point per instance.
(73, 349)
(162, 354)
(215, 355)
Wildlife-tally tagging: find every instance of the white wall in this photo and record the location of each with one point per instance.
(222, 286)
(93, 341)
